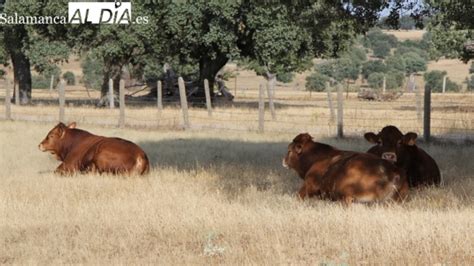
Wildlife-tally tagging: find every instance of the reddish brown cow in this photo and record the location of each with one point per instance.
(82, 151)
(392, 145)
(343, 175)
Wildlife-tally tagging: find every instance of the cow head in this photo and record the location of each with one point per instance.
(53, 140)
(391, 144)
(295, 150)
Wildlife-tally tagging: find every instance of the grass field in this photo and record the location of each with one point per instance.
(219, 199)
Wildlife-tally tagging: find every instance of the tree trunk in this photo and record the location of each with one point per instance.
(21, 64)
(208, 69)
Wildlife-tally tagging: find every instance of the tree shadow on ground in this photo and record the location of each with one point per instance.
(238, 165)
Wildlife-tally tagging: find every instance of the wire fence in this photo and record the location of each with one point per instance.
(451, 115)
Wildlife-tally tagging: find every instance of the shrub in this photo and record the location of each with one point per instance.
(92, 69)
(470, 83)
(375, 80)
(414, 63)
(452, 86)
(471, 69)
(40, 82)
(357, 55)
(70, 78)
(434, 80)
(285, 77)
(2, 73)
(43, 80)
(402, 50)
(373, 66)
(381, 49)
(376, 35)
(395, 63)
(394, 80)
(316, 82)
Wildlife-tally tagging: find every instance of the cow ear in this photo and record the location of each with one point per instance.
(372, 138)
(299, 148)
(410, 138)
(72, 125)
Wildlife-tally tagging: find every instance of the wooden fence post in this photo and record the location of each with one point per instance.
(159, 95)
(17, 93)
(51, 84)
(384, 85)
(261, 109)
(111, 94)
(418, 103)
(427, 115)
(340, 121)
(184, 102)
(444, 83)
(122, 103)
(62, 100)
(270, 93)
(208, 97)
(8, 110)
(331, 108)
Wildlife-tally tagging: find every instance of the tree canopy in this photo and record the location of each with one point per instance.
(198, 38)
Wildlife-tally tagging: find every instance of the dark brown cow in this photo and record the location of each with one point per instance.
(343, 175)
(82, 151)
(392, 145)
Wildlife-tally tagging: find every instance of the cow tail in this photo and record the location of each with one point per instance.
(142, 164)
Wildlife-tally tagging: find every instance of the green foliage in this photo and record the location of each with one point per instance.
(51, 70)
(2, 73)
(451, 28)
(341, 69)
(395, 63)
(407, 23)
(471, 69)
(40, 82)
(92, 70)
(3, 52)
(452, 86)
(44, 54)
(316, 82)
(375, 35)
(434, 80)
(414, 62)
(70, 78)
(470, 83)
(381, 49)
(285, 77)
(403, 49)
(375, 80)
(394, 80)
(373, 66)
(357, 55)
(43, 80)
(150, 72)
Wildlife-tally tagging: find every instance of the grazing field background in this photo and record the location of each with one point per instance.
(297, 110)
(219, 199)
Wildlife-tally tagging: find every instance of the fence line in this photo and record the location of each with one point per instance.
(317, 116)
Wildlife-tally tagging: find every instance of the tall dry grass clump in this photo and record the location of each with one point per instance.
(219, 199)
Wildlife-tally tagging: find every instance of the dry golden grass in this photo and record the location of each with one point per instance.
(403, 35)
(214, 198)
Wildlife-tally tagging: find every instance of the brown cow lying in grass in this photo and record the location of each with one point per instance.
(81, 151)
(390, 144)
(343, 175)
